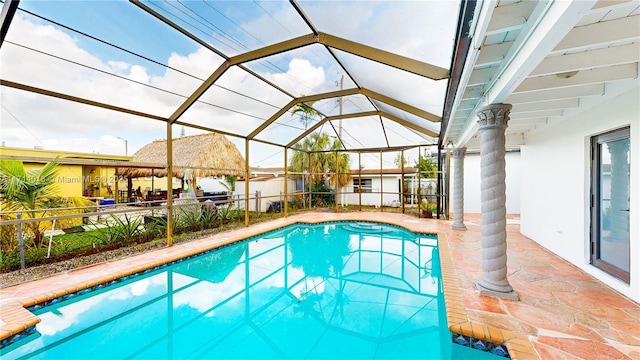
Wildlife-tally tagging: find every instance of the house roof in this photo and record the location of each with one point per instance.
(393, 171)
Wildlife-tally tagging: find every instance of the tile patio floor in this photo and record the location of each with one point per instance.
(563, 312)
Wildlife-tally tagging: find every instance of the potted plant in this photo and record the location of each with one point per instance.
(428, 208)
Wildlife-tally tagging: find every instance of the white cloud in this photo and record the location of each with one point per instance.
(299, 69)
(139, 74)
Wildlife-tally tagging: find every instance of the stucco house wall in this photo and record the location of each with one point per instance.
(555, 196)
(472, 182)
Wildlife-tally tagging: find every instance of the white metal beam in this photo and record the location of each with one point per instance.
(535, 114)
(554, 23)
(510, 17)
(557, 20)
(593, 76)
(555, 94)
(481, 19)
(493, 55)
(545, 105)
(600, 33)
(609, 56)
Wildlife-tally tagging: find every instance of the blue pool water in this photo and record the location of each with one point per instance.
(344, 290)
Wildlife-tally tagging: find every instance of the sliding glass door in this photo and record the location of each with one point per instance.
(611, 165)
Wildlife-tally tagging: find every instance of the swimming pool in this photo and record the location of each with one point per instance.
(333, 290)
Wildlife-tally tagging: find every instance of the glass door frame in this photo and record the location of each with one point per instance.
(595, 232)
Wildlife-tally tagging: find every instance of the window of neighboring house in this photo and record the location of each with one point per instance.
(361, 185)
(610, 211)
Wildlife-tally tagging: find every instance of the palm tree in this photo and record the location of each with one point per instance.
(229, 182)
(33, 191)
(339, 172)
(306, 112)
(321, 165)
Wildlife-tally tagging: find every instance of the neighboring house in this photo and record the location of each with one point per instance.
(376, 187)
(80, 174)
(85, 174)
(265, 187)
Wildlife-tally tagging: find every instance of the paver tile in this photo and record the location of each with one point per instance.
(583, 349)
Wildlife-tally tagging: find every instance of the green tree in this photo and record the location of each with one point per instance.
(427, 165)
(305, 112)
(398, 161)
(33, 192)
(321, 165)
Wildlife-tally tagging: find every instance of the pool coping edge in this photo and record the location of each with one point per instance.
(518, 345)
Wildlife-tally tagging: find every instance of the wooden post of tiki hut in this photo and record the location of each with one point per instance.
(203, 155)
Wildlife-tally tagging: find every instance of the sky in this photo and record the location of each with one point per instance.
(167, 67)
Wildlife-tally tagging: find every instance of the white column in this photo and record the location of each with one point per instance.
(493, 122)
(458, 189)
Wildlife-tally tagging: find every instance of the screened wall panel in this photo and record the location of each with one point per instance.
(399, 135)
(352, 128)
(215, 117)
(241, 82)
(252, 103)
(132, 29)
(378, 24)
(403, 115)
(287, 127)
(234, 27)
(350, 104)
(308, 70)
(41, 54)
(74, 127)
(404, 86)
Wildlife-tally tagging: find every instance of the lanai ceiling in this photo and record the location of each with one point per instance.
(549, 59)
(379, 73)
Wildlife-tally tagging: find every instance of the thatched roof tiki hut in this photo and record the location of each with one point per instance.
(201, 155)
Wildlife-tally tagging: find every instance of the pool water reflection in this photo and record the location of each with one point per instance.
(335, 290)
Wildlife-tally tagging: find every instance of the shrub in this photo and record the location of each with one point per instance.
(117, 230)
(295, 203)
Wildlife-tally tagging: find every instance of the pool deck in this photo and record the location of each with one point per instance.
(562, 313)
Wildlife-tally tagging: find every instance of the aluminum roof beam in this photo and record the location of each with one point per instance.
(329, 118)
(393, 118)
(58, 95)
(384, 57)
(400, 105)
(301, 99)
